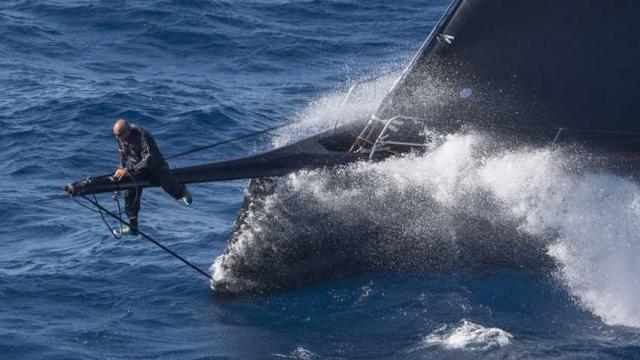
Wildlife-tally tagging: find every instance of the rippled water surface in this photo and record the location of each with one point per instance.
(465, 254)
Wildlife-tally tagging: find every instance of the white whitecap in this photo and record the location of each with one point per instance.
(468, 336)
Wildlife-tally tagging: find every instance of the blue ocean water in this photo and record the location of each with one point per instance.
(198, 71)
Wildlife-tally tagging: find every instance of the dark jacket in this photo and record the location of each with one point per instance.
(141, 150)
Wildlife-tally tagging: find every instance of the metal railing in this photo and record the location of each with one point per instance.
(381, 140)
(350, 92)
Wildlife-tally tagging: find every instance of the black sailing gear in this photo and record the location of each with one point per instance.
(146, 160)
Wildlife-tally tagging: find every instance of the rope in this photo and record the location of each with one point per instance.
(113, 233)
(58, 197)
(205, 147)
(149, 238)
(83, 205)
(116, 198)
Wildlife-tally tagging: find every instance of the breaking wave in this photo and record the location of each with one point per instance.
(469, 337)
(460, 204)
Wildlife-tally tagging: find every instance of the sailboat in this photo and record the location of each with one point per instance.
(526, 72)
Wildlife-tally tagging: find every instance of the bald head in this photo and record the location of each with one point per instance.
(121, 129)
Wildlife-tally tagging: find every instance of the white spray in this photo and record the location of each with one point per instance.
(446, 207)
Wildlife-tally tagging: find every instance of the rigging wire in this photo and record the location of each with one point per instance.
(116, 199)
(103, 211)
(83, 205)
(241, 137)
(147, 237)
(111, 230)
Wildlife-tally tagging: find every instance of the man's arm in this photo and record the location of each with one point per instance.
(122, 158)
(122, 161)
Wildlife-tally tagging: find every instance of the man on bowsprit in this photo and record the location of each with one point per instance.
(139, 148)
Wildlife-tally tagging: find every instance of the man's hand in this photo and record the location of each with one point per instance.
(120, 173)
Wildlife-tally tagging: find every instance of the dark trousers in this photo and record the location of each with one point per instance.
(163, 176)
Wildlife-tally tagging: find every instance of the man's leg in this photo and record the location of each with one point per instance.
(132, 205)
(168, 182)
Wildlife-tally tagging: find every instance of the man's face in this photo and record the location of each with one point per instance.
(121, 132)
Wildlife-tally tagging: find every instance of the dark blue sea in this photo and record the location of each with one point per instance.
(513, 255)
